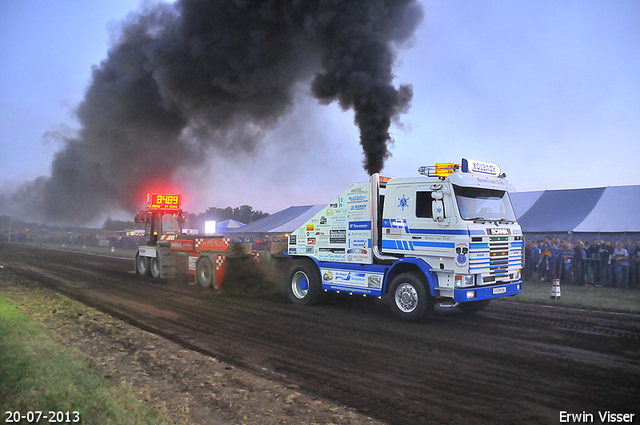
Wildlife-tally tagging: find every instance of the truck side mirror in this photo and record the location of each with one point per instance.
(437, 206)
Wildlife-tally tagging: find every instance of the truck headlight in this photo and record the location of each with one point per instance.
(464, 280)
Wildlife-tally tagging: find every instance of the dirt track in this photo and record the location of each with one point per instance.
(512, 363)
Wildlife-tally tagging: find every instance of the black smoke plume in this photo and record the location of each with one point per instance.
(197, 75)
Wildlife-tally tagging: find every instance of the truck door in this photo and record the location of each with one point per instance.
(426, 235)
(409, 228)
(399, 216)
(152, 228)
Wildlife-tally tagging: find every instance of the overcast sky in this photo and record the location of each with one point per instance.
(549, 90)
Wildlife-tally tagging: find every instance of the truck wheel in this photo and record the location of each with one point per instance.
(154, 268)
(305, 286)
(142, 265)
(410, 298)
(204, 272)
(473, 307)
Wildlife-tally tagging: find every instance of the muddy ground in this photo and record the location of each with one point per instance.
(347, 361)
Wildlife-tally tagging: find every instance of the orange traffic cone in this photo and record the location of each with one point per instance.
(555, 289)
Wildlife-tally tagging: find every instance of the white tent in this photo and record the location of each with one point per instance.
(282, 222)
(618, 210)
(224, 226)
(602, 212)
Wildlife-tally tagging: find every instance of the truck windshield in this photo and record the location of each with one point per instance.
(481, 204)
(170, 225)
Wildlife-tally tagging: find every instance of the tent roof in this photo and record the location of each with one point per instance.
(298, 221)
(231, 223)
(616, 211)
(560, 210)
(522, 201)
(596, 210)
(285, 221)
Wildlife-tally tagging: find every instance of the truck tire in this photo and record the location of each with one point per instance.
(409, 297)
(154, 268)
(142, 265)
(473, 307)
(305, 286)
(204, 272)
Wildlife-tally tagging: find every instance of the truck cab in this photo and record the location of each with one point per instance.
(160, 226)
(448, 235)
(462, 225)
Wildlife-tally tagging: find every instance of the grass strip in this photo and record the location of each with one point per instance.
(593, 297)
(39, 375)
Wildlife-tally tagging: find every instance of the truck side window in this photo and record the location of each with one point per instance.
(423, 205)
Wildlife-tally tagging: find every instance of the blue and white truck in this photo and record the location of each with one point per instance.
(448, 235)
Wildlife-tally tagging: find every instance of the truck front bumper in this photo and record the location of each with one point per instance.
(479, 293)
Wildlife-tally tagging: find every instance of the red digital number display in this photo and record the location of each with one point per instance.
(163, 201)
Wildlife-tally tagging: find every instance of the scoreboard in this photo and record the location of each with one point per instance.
(162, 201)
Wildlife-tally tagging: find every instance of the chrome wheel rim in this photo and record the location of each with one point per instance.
(300, 285)
(406, 298)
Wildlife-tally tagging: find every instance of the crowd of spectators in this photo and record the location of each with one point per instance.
(599, 262)
(86, 239)
(117, 240)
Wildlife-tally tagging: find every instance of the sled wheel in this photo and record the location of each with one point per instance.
(204, 272)
(142, 265)
(154, 268)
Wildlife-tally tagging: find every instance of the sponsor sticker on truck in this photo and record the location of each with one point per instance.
(349, 279)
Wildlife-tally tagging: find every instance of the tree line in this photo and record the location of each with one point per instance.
(244, 214)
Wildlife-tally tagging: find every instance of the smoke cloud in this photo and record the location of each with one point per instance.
(186, 79)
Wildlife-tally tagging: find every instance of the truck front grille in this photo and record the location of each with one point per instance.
(496, 258)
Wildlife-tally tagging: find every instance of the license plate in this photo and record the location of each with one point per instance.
(147, 252)
(500, 290)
